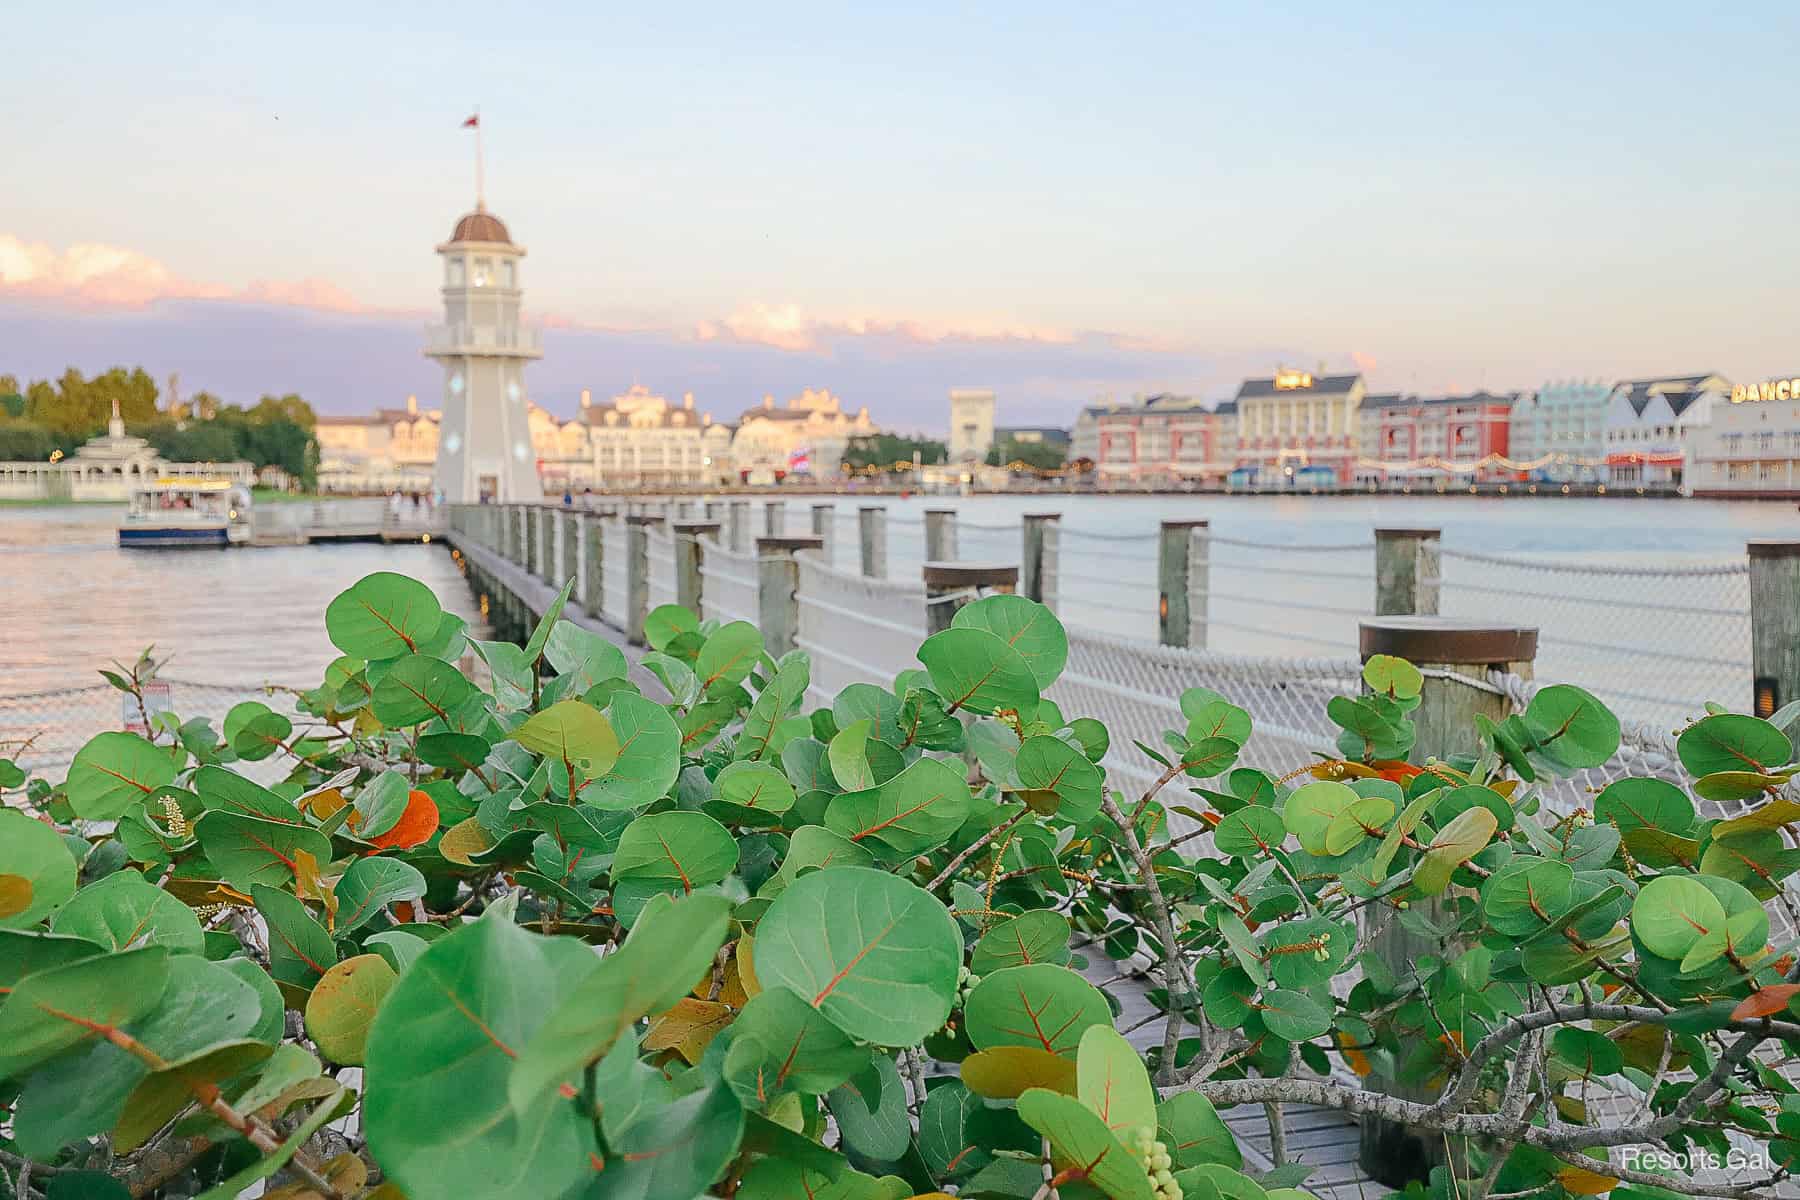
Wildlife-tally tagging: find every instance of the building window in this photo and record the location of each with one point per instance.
(508, 274)
(484, 269)
(453, 271)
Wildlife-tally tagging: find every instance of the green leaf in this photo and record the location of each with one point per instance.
(254, 731)
(1524, 895)
(33, 853)
(1294, 1016)
(300, 951)
(676, 1149)
(870, 1111)
(669, 950)
(1732, 742)
(876, 705)
(666, 622)
(1588, 1053)
(976, 670)
(230, 792)
(458, 1018)
(1110, 1079)
(113, 771)
(1250, 832)
(370, 885)
(1392, 677)
(343, 1005)
(912, 813)
(874, 953)
(583, 656)
(925, 723)
(781, 1043)
(56, 1009)
(1210, 715)
(848, 755)
(540, 634)
(383, 615)
(1364, 818)
(122, 912)
(1044, 1006)
(22, 953)
(751, 793)
(1051, 765)
(380, 804)
(729, 655)
(1309, 811)
(1035, 936)
(1191, 1128)
(246, 851)
(958, 1133)
(1672, 913)
(1455, 844)
(1084, 1146)
(1570, 728)
(649, 755)
(417, 688)
(573, 733)
(815, 846)
(1030, 628)
(672, 852)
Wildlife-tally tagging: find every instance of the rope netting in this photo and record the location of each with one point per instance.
(728, 587)
(41, 731)
(1613, 627)
(856, 630)
(1104, 582)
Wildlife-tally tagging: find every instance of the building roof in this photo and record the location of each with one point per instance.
(481, 226)
(669, 418)
(1321, 385)
(1403, 400)
(1048, 432)
(1645, 390)
(1225, 408)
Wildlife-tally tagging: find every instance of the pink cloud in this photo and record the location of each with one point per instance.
(789, 327)
(96, 275)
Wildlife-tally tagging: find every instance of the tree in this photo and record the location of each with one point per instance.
(1041, 456)
(23, 441)
(886, 449)
(289, 408)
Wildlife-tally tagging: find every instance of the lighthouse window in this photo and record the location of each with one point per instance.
(453, 271)
(506, 274)
(484, 271)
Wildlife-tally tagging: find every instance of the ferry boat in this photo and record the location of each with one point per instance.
(187, 512)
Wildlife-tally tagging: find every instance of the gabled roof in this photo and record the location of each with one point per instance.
(1322, 385)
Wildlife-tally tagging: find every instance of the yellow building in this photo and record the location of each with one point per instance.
(393, 449)
(809, 436)
(641, 440)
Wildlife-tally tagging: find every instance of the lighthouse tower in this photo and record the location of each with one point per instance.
(484, 443)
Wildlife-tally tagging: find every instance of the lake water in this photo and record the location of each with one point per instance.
(74, 601)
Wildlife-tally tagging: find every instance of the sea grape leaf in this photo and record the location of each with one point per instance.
(876, 954)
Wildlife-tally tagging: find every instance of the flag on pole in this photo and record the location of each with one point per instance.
(473, 122)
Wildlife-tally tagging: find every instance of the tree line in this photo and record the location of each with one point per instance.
(43, 418)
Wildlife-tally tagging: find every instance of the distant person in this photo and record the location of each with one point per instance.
(568, 498)
(394, 502)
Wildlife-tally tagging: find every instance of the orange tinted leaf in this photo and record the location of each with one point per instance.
(1765, 1003)
(415, 826)
(1580, 1181)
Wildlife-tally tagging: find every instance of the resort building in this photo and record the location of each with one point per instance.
(971, 424)
(1751, 448)
(1084, 439)
(808, 437)
(1455, 439)
(1297, 429)
(1033, 435)
(1652, 423)
(1163, 441)
(1559, 431)
(394, 449)
(641, 440)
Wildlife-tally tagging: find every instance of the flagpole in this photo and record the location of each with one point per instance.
(480, 181)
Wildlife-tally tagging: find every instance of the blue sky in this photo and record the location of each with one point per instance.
(1062, 200)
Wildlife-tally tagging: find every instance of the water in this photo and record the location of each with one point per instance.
(243, 617)
(246, 617)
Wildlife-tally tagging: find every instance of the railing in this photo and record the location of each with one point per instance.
(728, 584)
(661, 546)
(857, 629)
(482, 339)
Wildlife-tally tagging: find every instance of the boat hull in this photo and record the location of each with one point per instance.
(150, 537)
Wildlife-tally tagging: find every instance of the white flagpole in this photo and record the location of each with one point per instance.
(480, 180)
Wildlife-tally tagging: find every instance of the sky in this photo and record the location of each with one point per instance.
(1063, 202)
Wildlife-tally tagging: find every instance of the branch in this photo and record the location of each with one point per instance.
(956, 863)
(1176, 978)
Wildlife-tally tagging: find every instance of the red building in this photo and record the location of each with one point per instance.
(1461, 438)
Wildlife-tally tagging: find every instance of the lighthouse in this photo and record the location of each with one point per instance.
(484, 443)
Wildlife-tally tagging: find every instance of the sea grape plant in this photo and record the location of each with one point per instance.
(535, 921)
